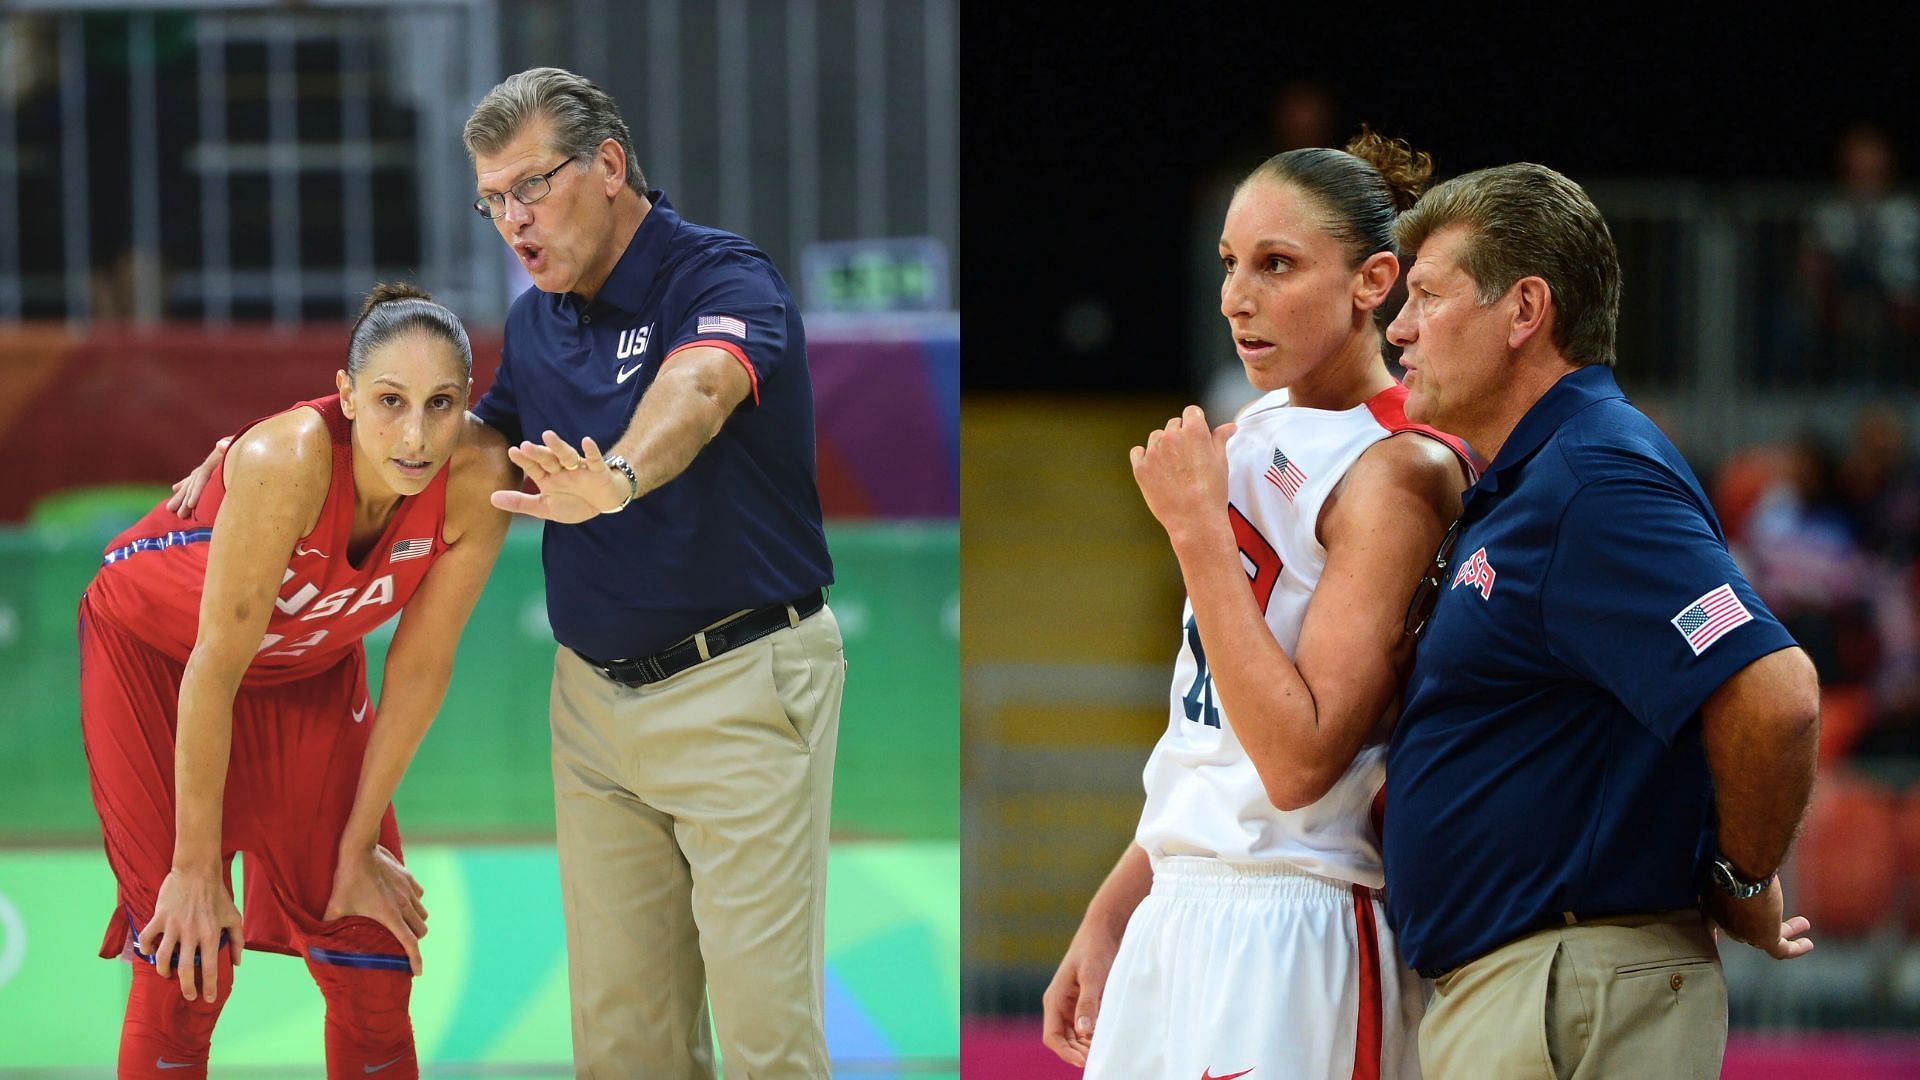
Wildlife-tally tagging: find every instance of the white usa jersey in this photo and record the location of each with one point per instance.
(1204, 797)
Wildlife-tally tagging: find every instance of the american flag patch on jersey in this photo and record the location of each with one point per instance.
(411, 549)
(1285, 475)
(1708, 619)
(722, 324)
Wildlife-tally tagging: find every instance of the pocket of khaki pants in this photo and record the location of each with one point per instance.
(1566, 1022)
(789, 673)
(1661, 967)
(1672, 1010)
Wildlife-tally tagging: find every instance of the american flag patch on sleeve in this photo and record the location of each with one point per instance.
(411, 549)
(1709, 618)
(722, 324)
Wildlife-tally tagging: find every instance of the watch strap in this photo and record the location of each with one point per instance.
(618, 463)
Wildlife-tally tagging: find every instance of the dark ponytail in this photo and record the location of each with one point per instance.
(394, 308)
(1361, 189)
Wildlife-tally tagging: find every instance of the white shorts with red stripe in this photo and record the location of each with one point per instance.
(1257, 970)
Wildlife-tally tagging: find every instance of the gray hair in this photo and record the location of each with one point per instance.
(395, 308)
(580, 114)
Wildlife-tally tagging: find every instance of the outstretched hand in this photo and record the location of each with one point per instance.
(574, 485)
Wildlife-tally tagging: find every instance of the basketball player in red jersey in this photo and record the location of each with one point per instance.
(224, 702)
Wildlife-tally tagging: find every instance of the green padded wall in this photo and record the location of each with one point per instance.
(482, 771)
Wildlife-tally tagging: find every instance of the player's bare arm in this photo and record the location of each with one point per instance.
(1072, 1000)
(368, 880)
(694, 393)
(1761, 730)
(277, 477)
(1303, 718)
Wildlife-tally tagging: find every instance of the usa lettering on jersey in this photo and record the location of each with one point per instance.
(379, 591)
(1477, 573)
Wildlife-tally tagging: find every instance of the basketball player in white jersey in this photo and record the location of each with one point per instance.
(1254, 939)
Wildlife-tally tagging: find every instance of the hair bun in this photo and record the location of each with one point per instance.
(1405, 169)
(393, 290)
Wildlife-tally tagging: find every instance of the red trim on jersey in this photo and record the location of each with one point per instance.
(739, 354)
(1366, 1044)
(1389, 409)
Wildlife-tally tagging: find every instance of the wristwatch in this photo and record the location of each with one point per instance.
(615, 461)
(1731, 883)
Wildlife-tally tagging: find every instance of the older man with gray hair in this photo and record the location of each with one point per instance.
(1607, 739)
(696, 691)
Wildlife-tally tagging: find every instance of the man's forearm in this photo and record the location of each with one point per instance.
(1762, 732)
(677, 416)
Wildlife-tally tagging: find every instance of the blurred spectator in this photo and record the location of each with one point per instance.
(1833, 545)
(1879, 484)
(1861, 261)
(1807, 562)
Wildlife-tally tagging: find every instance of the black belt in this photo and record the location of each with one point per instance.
(669, 662)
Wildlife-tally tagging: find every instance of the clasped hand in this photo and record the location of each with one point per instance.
(1182, 472)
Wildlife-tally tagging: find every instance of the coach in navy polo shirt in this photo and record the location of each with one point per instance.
(1606, 737)
(696, 693)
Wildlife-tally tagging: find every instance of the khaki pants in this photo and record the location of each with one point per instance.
(692, 818)
(1638, 996)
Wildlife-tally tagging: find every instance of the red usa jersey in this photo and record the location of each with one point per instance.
(152, 574)
(1203, 795)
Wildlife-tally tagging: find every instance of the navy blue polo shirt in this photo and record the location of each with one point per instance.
(1548, 756)
(740, 528)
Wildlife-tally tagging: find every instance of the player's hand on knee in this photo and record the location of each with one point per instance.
(372, 883)
(190, 913)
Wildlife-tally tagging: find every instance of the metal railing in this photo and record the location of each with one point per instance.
(246, 160)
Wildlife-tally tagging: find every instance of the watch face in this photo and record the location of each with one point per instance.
(1724, 877)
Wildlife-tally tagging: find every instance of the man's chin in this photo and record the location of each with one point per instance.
(1419, 409)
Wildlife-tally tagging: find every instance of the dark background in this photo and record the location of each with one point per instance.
(1084, 131)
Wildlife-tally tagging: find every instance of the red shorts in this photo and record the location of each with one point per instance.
(291, 776)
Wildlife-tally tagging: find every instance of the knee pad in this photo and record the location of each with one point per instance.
(368, 1030)
(163, 1030)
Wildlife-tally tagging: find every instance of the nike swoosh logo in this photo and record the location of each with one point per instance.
(627, 372)
(298, 550)
(377, 1068)
(358, 715)
(1207, 1074)
(163, 1063)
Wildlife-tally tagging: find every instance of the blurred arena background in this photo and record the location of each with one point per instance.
(194, 197)
(1770, 239)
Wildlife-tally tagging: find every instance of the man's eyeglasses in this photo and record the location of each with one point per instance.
(528, 191)
(1427, 594)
